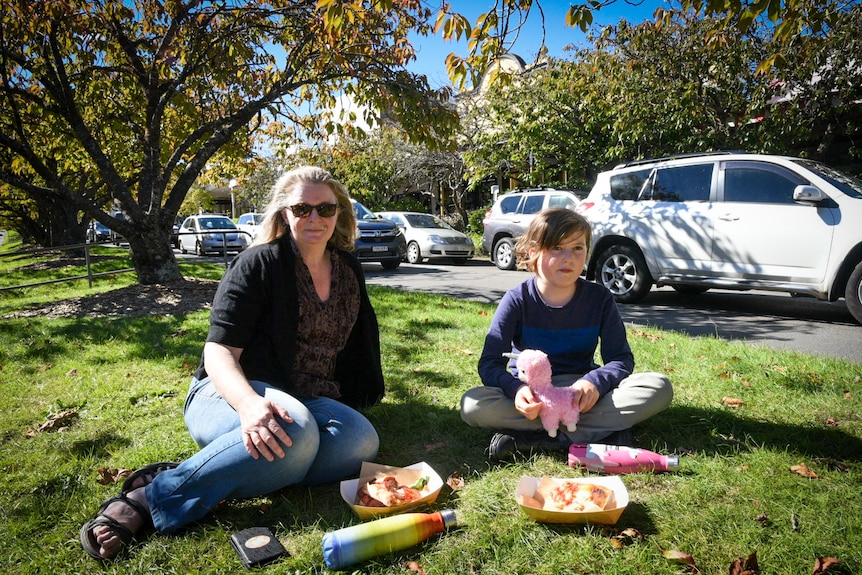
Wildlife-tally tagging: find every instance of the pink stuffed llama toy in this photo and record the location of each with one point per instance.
(558, 407)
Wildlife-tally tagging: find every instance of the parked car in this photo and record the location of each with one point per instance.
(511, 214)
(428, 236)
(377, 240)
(98, 232)
(727, 220)
(175, 231)
(250, 224)
(204, 233)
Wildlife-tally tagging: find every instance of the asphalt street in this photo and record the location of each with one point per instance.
(778, 321)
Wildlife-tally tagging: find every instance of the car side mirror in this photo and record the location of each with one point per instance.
(807, 194)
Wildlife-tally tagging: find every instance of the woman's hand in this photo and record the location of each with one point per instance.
(587, 397)
(262, 434)
(526, 404)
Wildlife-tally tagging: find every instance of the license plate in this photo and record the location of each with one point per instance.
(379, 249)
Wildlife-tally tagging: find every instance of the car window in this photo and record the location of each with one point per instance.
(847, 184)
(628, 186)
(760, 184)
(426, 221)
(509, 204)
(682, 183)
(561, 201)
(532, 204)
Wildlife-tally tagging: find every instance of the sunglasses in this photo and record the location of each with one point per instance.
(304, 210)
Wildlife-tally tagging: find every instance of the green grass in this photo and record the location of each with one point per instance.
(734, 494)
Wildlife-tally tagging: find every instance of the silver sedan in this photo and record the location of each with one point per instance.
(429, 237)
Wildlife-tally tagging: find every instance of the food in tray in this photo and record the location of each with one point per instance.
(577, 497)
(387, 492)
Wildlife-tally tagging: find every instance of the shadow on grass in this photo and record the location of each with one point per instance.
(722, 431)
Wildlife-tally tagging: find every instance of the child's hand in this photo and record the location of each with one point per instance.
(587, 396)
(526, 404)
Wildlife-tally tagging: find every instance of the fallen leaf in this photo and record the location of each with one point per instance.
(435, 446)
(824, 564)
(483, 312)
(414, 567)
(847, 394)
(745, 565)
(108, 476)
(832, 463)
(679, 557)
(763, 519)
(626, 537)
(803, 470)
(831, 422)
(72, 373)
(57, 422)
(455, 481)
(794, 521)
(732, 401)
(467, 351)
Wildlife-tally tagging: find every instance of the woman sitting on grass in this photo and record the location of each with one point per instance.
(568, 318)
(293, 348)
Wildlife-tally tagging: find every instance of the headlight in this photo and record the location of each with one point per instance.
(435, 239)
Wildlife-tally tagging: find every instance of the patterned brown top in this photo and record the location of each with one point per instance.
(323, 328)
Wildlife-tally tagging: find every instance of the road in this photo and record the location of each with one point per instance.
(778, 321)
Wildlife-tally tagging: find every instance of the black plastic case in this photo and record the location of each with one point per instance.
(257, 546)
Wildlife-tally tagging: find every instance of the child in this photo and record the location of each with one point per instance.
(567, 317)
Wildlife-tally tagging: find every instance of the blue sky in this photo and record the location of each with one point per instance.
(432, 51)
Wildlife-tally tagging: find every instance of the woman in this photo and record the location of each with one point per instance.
(567, 317)
(293, 349)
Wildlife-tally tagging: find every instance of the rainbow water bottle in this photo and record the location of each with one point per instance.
(617, 459)
(357, 543)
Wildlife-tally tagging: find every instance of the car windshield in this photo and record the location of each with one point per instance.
(253, 219)
(847, 184)
(217, 224)
(363, 213)
(427, 221)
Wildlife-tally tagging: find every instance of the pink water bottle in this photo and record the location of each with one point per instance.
(617, 459)
(357, 543)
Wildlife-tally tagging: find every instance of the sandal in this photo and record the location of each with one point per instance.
(88, 540)
(147, 473)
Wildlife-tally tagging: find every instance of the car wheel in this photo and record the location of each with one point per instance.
(686, 289)
(622, 269)
(390, 264)
(199, 249)
(504, 254)
(414, 256)
(853, 293)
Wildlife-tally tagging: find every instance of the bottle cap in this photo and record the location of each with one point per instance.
(672, 461)
(449, 518)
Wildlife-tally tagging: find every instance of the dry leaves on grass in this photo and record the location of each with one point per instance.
(745, 565)
(108, 476)
(803, 470)
(56, 422)
(686, 559)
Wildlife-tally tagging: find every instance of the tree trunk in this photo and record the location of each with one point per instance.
(152, 255)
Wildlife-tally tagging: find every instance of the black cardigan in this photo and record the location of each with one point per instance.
(256, 308)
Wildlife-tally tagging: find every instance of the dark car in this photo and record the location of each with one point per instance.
(378, 240)
(98, 232)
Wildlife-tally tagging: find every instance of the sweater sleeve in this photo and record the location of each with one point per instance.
(617, 358)
(493, 367)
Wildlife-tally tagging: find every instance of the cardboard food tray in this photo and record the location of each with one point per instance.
(532, 506)
(405, 476)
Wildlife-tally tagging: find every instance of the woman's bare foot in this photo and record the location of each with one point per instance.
(118, 520)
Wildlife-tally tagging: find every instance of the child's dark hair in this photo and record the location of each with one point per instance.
(547, 230)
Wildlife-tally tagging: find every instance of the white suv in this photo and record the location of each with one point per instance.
(727, 220)
(511, 214)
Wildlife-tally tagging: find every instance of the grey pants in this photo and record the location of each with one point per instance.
(637, 398)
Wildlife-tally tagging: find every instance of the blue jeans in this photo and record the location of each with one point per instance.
(330, 442)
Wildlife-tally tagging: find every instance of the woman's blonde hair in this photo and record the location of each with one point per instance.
(274, 225)
(548, 229)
